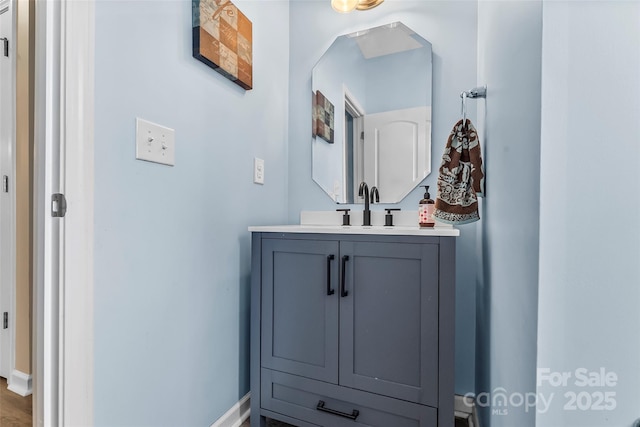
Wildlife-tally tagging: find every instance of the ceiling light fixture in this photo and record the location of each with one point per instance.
(346, 6)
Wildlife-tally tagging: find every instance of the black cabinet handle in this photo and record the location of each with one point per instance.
(343, 291)
(352, 416)
(329, 290)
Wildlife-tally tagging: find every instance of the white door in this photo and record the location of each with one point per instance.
(6, 138)
(396, 151)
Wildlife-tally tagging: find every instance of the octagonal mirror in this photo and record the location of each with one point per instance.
(372, 114)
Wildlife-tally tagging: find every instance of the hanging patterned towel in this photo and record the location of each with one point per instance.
(460, 179)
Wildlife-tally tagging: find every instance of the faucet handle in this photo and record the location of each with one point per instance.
(346, 220)
(388, 218)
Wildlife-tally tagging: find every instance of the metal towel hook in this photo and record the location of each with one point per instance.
(464, 108)
(477, 92)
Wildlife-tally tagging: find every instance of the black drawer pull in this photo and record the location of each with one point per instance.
(352, 416)
(329, 290)
(343, 290)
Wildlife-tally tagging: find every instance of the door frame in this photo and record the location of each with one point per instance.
(357, 111)
(63, 254)
(8, 225)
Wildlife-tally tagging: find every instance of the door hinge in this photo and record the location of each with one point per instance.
(5, 320)
(6, 46)
(362, 136)
(58, 205)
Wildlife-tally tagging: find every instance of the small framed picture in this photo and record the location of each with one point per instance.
(323, 117)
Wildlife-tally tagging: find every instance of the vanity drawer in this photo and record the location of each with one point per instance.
(330, 405)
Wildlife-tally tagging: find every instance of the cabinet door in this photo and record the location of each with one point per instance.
(389, 320)
(300, 307)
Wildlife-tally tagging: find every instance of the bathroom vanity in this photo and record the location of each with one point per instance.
(352, 326)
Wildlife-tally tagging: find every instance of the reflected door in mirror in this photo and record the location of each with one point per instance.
(394, 151)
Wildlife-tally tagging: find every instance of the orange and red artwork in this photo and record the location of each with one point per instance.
(222, 39)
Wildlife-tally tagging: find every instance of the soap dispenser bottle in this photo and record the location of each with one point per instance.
(425, 210)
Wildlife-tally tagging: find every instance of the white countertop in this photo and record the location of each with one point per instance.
(399, 230)
(405, 224)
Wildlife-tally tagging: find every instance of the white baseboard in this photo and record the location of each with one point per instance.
(20, 383)
(238, 413)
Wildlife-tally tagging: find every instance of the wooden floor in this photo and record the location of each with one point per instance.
(15, 410)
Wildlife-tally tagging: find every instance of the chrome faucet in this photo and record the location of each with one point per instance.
(363, 191)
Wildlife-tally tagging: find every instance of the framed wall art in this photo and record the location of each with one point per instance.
(323, 117)
(222, 39)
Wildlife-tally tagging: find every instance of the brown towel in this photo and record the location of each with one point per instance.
(460, 179)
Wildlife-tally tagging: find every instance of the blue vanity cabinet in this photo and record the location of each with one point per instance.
(299, 320)
(389, 320)
(352, 330)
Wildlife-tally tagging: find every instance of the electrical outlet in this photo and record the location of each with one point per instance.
(258, 170)
(155, 143)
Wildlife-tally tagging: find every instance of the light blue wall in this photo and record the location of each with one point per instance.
(171, 243)
(451, 28)
(589, 209)
(509, 61)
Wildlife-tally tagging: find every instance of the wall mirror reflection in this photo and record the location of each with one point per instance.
(372, 113)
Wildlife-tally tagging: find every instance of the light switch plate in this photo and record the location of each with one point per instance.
(258, 170)
(155, 143)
